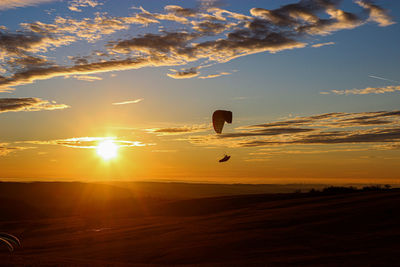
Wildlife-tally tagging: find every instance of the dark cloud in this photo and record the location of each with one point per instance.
(42, 73)
(155, 43)
(345, 137)
(180, 11)
(282, 123)
(336, 119)
(211, 27)
(267, 132)
(28, 104)
(328, 128)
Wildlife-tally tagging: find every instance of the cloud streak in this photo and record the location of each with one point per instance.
(179, 130)
(87, 142)
(384, 79)
(366, 91)
(211, 76)
(322, 44)
(28, 104)
(7, 4)
(6, 149)
(128, 102)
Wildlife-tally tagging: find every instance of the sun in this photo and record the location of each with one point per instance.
(107, 149)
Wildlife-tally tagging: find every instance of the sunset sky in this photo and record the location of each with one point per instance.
(313, 85)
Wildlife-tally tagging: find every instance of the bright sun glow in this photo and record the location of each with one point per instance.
(107, 149)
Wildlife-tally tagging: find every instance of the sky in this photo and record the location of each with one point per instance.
(101, 90)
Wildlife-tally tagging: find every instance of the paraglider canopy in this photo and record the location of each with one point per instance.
(219, 118)
(9, 240)
(225, 158)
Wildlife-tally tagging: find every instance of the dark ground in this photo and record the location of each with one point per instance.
(72, 224)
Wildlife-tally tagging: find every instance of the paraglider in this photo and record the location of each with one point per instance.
(225, 158)
(9, 240)
(219, 118)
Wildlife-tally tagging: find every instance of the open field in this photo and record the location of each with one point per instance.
(85, 225)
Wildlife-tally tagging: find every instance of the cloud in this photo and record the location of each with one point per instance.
(22, 44)
(323, 44)
(76, 4)
(376, 13)
(5, 149)
(7, 4)
(44, 73)
(164, 151)
(128, 102)
(184, 74)
(28, 104)
(335, 120)
(207, 33)
(87, 78)
(168, 42)
(304, 150)
(211, 76)
(384, 79)
(365, 91)
(327, 128)
(337, 137)
(87, 142)
(257, 159)
(179, 130)
(267, 132)
(211, 27)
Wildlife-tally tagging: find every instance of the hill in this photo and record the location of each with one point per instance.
(357, 228)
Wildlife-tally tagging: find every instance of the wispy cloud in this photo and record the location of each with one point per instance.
(75, 5)
(128, 102)
(365, 91)
(7, 4)
(6, 149)
(28, 104)
(164, 151)
(384, 79)
(376, 13)
(211, 76)
(180, 130)
(323, 44)
(87, 78)
(87, 142)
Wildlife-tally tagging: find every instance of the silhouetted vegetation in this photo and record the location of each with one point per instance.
(350, 189)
